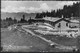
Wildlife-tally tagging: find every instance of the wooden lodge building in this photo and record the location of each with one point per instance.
(61, 23)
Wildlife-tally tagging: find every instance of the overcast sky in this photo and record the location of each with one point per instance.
(32, 6)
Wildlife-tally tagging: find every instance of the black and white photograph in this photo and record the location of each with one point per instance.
(40, 26)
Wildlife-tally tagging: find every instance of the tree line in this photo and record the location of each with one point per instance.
(9, 21)
(67, 12)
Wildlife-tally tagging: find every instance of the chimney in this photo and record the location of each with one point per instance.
(62, 16)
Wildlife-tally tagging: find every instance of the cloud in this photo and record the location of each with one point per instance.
(28, 8)
(43, 7)
(61, 4)
(9, 9)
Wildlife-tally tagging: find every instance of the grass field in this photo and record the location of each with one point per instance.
(62, 40)
(19, 38)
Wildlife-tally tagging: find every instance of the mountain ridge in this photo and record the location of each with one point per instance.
(17, 16)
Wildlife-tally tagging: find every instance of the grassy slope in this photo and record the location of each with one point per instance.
(78, 42)
(21, 39)
(62, 40)
(58, 39)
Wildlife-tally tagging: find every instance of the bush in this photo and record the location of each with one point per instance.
(5, 24)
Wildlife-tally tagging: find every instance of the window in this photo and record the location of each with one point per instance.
(59, 25)
(66, 24)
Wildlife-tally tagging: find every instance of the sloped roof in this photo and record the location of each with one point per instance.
(53, 23)
(35, 20)
(74, 21)
(53, 19)
(61, 20)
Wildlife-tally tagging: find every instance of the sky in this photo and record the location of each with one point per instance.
(32, 6)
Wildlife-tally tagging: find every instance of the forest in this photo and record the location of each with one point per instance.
(67, 12)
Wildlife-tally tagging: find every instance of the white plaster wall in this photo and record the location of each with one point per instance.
(63, 25)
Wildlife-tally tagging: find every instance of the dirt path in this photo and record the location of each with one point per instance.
(33, 34)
